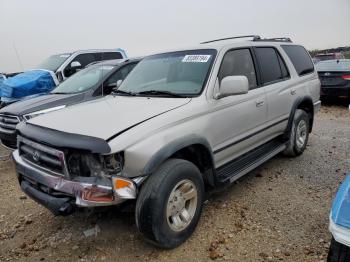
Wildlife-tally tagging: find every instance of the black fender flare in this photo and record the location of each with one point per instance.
(296, 104)
(168, 150)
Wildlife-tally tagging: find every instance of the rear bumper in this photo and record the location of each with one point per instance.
(58, 193)
(340, 234)
(335, 91)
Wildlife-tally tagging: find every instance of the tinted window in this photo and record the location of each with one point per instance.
(269, 64)
(111, 55)
(238, 62)
(83, 59)
(300, 59)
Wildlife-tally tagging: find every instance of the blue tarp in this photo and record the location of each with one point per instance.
(341, 204)
(28, 83)
(2, 79)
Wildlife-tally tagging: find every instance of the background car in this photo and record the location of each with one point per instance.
(95, 81)
(339, 224)
(51, 72)
(335, 77)
(329, 56)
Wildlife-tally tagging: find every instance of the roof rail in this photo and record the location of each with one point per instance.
(276, 39)
(255, 37)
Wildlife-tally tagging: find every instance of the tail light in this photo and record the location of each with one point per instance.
(346, 77)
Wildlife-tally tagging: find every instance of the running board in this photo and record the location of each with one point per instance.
(249, 161)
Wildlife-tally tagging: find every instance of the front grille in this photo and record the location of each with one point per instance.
(43, 157)
(8, 122)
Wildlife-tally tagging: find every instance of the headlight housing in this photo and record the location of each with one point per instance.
(41, 112)
(94, 165)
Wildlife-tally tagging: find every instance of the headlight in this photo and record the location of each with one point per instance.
(41, 112)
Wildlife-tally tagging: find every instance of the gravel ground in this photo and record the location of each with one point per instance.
(278, 212)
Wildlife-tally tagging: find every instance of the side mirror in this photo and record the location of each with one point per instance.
(75, 64)
(233, 85)
(119, 82)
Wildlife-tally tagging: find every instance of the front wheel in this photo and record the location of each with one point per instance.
(170, 203)
(299, 134)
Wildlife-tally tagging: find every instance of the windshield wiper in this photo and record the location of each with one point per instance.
(118, 91)
(159, 92)
(59, 93)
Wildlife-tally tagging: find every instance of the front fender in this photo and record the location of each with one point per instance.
(144, 157)
(168, 150)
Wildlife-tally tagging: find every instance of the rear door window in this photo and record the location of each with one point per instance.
(300, 59)
(111, 55)
(238, 63)
(272, 66)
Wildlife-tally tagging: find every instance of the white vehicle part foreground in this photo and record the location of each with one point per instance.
(340, 234)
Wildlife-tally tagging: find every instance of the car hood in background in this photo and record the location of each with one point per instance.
(42, 102)
(108, 116)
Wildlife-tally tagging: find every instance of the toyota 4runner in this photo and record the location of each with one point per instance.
(181, 124)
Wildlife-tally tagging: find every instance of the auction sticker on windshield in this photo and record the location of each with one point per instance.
(196, 58)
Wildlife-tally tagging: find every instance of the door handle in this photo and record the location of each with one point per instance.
(259, 103)
(293, 92)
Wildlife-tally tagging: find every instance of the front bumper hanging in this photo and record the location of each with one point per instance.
(60, 194)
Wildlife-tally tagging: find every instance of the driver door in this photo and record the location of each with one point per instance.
(237, 119)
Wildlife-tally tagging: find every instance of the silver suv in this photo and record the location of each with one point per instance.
(181, 124)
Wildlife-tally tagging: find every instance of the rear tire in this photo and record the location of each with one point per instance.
(169, 205)
(338, 252)
(299, 134)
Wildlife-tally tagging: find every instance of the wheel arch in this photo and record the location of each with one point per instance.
(193, 148)
(305, 103)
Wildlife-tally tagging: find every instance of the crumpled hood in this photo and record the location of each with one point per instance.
(108, 116)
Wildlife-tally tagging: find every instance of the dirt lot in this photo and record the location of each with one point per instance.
(278, 212)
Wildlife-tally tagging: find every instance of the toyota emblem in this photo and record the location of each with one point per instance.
(36, 156)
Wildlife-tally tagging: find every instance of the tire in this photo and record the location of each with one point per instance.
(298, 139)
(152, 217)
(338, 252)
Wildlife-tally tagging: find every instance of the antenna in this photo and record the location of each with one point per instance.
(19, 60)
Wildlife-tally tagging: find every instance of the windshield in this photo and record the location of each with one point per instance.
(52, 63)
(179, 73)
(83, 80)
(333, 65)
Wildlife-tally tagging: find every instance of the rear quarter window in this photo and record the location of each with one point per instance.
(300, 59)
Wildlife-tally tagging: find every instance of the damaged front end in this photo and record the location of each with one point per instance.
(61, 179)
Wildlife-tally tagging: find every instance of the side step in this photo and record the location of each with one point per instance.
(249, 161)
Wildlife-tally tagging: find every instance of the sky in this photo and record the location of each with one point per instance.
(40, 28)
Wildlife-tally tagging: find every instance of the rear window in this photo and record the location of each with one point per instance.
(108, 56)
(333, 65)
(300, 59)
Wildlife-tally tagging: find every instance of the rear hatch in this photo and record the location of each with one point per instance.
(332, 79)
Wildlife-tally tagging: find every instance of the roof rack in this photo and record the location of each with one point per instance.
(276, 39)
(255, 38)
